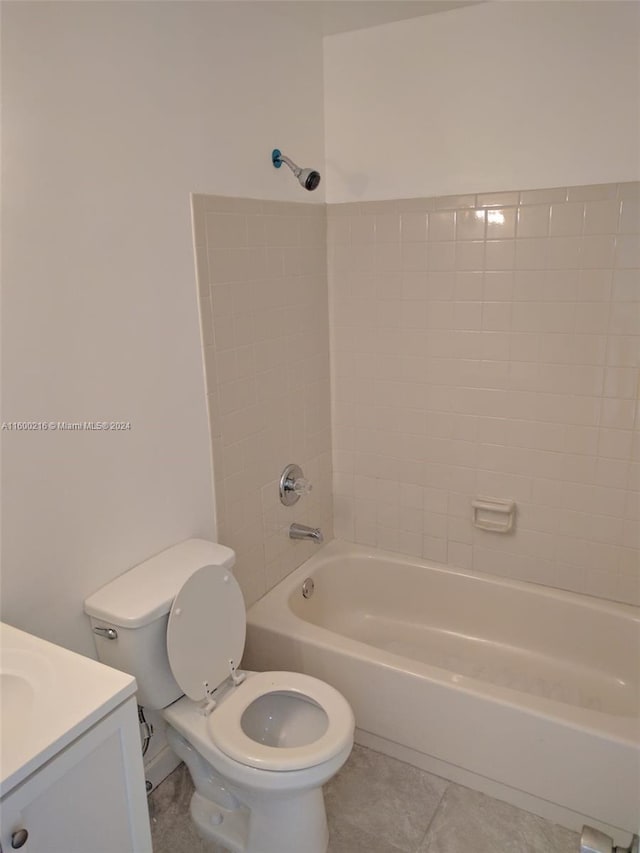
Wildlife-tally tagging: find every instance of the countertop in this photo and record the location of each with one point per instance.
(49, 696)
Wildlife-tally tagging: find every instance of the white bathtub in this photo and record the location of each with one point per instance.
(527, 693)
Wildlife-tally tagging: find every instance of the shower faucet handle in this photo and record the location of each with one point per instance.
(293, 484)
(301, 486)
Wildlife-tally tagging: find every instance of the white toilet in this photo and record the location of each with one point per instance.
(259, 746)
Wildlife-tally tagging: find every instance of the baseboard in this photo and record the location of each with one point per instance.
(159, 767)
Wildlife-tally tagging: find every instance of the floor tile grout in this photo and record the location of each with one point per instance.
(433, 817)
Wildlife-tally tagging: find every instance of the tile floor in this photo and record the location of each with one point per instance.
(377, 804)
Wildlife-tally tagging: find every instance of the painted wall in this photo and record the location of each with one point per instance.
(113, 113)
(484, 98)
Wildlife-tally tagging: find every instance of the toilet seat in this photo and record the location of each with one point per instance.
(225, 729)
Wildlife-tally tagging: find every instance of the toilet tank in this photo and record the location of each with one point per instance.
(136, 606)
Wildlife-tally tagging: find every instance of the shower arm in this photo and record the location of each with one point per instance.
(294, 168)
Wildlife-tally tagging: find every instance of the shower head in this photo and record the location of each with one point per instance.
(309, 178)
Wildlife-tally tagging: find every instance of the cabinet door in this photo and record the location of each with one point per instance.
(89, 798)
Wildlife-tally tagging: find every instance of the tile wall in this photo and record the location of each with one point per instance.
(490, 345)
(261, 269)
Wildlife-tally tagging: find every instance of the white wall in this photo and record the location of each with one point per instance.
(112, 114)
(483, 98)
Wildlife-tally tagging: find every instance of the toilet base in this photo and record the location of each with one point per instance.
(224, 826)
(286, 825)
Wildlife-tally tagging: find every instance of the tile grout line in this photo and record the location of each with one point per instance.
(433, 817)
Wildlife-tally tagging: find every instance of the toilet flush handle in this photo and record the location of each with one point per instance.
(107, 633)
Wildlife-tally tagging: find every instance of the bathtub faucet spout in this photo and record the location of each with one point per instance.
(301, 531)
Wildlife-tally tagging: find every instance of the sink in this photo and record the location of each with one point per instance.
(18, 698)
(41, 706)
(26, 678)
(71, 772)
(18, 704)
(25, 665)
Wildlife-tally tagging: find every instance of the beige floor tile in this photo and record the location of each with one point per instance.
(344, 837)
(468, 821)
(384, 798)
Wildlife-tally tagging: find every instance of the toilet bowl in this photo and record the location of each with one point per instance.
(257, 796)
(259, 746)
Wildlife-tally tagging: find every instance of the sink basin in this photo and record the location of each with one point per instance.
(26, 678)
(18, 698)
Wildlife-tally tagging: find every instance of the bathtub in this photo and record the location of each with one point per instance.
(527, 693)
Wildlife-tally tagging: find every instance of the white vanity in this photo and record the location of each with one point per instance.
(71, 773)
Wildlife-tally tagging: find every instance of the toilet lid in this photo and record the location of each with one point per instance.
(206, 631)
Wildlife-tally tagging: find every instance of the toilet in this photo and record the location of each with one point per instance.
(259, 746)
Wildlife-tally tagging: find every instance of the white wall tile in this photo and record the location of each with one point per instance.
(470, 224)
(442, 225)
(627, 255)
(567, 219)
(531, 254)
(602, 217)
(630, 217)
(506, 364)
(533, 220)
(413, 227)
(501, 223)
(555, 194)
(497, 199)
(267, 280)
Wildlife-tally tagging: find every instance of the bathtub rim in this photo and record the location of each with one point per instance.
(273, 612)
(340, 547)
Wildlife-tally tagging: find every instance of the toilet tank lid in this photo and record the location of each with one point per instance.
(146, 592)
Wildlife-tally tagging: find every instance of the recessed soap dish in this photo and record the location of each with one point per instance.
(493, 514)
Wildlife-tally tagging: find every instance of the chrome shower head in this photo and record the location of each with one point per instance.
(308, 178)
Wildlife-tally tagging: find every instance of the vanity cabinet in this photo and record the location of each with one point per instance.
(88, 798)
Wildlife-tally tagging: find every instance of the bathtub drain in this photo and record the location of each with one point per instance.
(308, 587)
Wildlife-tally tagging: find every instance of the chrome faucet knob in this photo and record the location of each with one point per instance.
(293, 484)
(301, 486)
